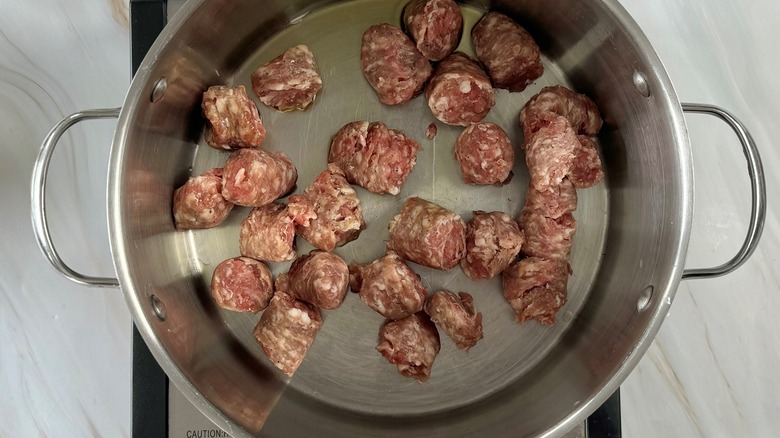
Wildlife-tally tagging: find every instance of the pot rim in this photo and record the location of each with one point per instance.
(142, 314)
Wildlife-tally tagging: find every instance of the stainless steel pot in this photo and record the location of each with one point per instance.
(521, 380)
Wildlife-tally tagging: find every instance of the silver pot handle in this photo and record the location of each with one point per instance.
(38, 194)
(758, 188)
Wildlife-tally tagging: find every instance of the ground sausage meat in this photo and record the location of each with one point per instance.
(536, 288)
(242, 284)
(552, 202)
(268, 233)
(550, 152)
(459, 92)
(578, 109)
(339, 216)
(288, 82)
(455, 315)
(510, 54)
(374, 157)
(587, 170)
(199, 203)
(286, 331)
(493, 240)
(232, 118)
(392, 65)
(428, 234)
(256, 177)
(320, 278)
(484, 154)
(547, 237)
(388, 286)
(431, 131)
(412, 344)
(434, 25)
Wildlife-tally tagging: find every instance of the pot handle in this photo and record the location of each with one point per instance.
(758, 189)
(38, 196)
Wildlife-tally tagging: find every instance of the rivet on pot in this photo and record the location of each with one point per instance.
(159, 89)
(158, 307)
(640, 82)
(644, 298)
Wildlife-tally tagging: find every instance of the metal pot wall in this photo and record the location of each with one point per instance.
(527, 380)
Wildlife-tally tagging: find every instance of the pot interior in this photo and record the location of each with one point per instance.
(520, 379)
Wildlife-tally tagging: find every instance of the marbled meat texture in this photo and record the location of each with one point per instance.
(242, 284)
(256, 177)
(550, 152)
(392, 65)
(455, 314)
(412, 344)
(459, 92)
(428, 234)
(319, 278)
(536, 288)
(435, 26)
(552, 202)
(286, 330)
(374, 157)
(288, 82)
(233, 120)
(509, 52)
(339, 218)
(581, 112)
(493, 241)
(587, 170)
(199, 203)
(583, 116)
(268, 233)
(388, 286)
(484, 154)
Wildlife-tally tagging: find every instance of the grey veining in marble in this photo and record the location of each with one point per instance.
(65, 349)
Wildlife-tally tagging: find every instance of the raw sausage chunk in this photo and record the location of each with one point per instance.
(288, 82)
(536, 288)
(578, 109)
(339, 216)
(232, 118)
(388, 286)
(199, 202)
(455, 315)
(583, 117)
(374, 157)
(320, 278)
(550, 152)
(268, 233)
(256, 177)
(552, 202)
(434, 25)
(411, 344)
(587, 170)
(508, 51)
(459, 92)
(493, 240)
(392, 65)
(428, 234)
(484, 154)
(242, 284)
(547, 237)
(286, 331)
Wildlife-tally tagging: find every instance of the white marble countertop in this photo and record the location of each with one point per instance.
(65, 349)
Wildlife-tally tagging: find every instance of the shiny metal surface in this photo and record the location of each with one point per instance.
(521, 380)
(38, 197)
(758, 193)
